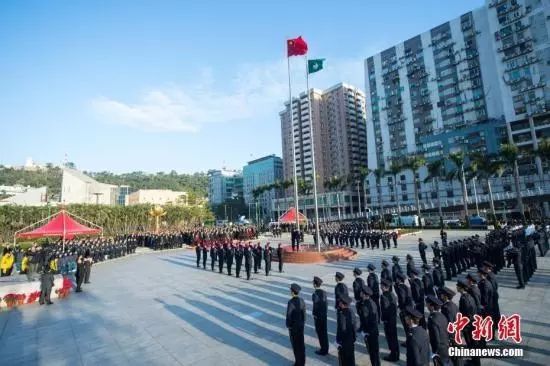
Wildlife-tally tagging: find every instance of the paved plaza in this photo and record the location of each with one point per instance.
(159, 309)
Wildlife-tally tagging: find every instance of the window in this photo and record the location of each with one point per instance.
(434, 195)
(450, 193)
(405, 197)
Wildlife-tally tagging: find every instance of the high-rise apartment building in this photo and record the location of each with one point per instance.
(262, 172)
(461, 86)
(340, 138)
(340, 134)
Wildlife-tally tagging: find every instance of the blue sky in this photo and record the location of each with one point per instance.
(184, 85)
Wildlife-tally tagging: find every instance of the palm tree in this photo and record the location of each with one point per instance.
(333, 184)
(414, 163)
(509, 153)
(544, 149)
(435, 171)
(363, 174)
(396, 168)
(458, 159)
(379, 173)
(485, 167)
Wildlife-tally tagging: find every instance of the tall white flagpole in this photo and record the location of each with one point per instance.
(313, 159)
(293, 145)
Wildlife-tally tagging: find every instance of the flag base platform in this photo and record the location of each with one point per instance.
(17, 290)
(309, 254)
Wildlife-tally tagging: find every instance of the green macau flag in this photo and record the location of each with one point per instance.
(315, 65)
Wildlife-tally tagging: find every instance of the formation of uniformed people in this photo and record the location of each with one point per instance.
(227, 252)
(357, 235)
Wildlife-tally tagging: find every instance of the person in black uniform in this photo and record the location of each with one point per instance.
(357, 284)
(198, 252)
(46, 285)
(88, 261)
(385, 274)
(417, 293)
(422, 250)
(295, 322)
(394, 237)
(372, 282)
(491, 277)
(388, 314)
(473, 290)
(204, 256)
(486, 294)
(395, 269)
(428, 281)
(239, 253)
(229, 256)
(368, 319)
(437, 329)
(437, 274)
(267, 258)
(221, 258)
(449, 310)
(467, 306)
(320, 306)
(436, 250)
(248, 261)
(340, 290)
(212, 257)
(345, 331)
(259, 251)
(404, 299)
(79, 273)
(280, 257)
(410, 264)
(418, 343)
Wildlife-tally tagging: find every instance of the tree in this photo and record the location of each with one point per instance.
(304, 187)
(363, 174)
(484, 167)
(396, 167)
(435, 171)
(509, 153)
(544, 149)
(458, 159)
(414, 163)
(379, 173)
(333, 184)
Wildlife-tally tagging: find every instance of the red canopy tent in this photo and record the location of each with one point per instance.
(61, 225)
(289, 216)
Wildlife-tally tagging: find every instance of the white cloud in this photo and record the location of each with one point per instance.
(257, 91)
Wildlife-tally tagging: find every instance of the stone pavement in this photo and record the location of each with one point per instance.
(159, 309)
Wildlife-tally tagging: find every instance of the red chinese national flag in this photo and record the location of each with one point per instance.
(296, 47)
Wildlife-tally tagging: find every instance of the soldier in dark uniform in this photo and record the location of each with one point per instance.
(467, 306)
(239, 253)
(417, 293)
(388, 314)
(280, 256)
(267, 258)
(410, 264)
(320, 306)
(198, 252)
(46, 285)
(204, 256)
(340, 290)
(446, 256)
(396, 268)
(448, 307)
(357, 284)
(212, 256)
(295, 322)
(428, 281)
(473, 290)
(422, 250)
(259, 251)
(437, 274)
(368, 318)
(486, 294)
(491, 277)
(418, 349)
(436, 250)
(221, 258)
(385, 274)
(79, 273)
(345, 331)
(372, 282)
(88, 261)
(248, 261)
(394, 237)
(229, 256)
(437, 328)
(404, 298)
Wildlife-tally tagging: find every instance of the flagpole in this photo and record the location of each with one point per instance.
(293, 147)
(313, 159)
